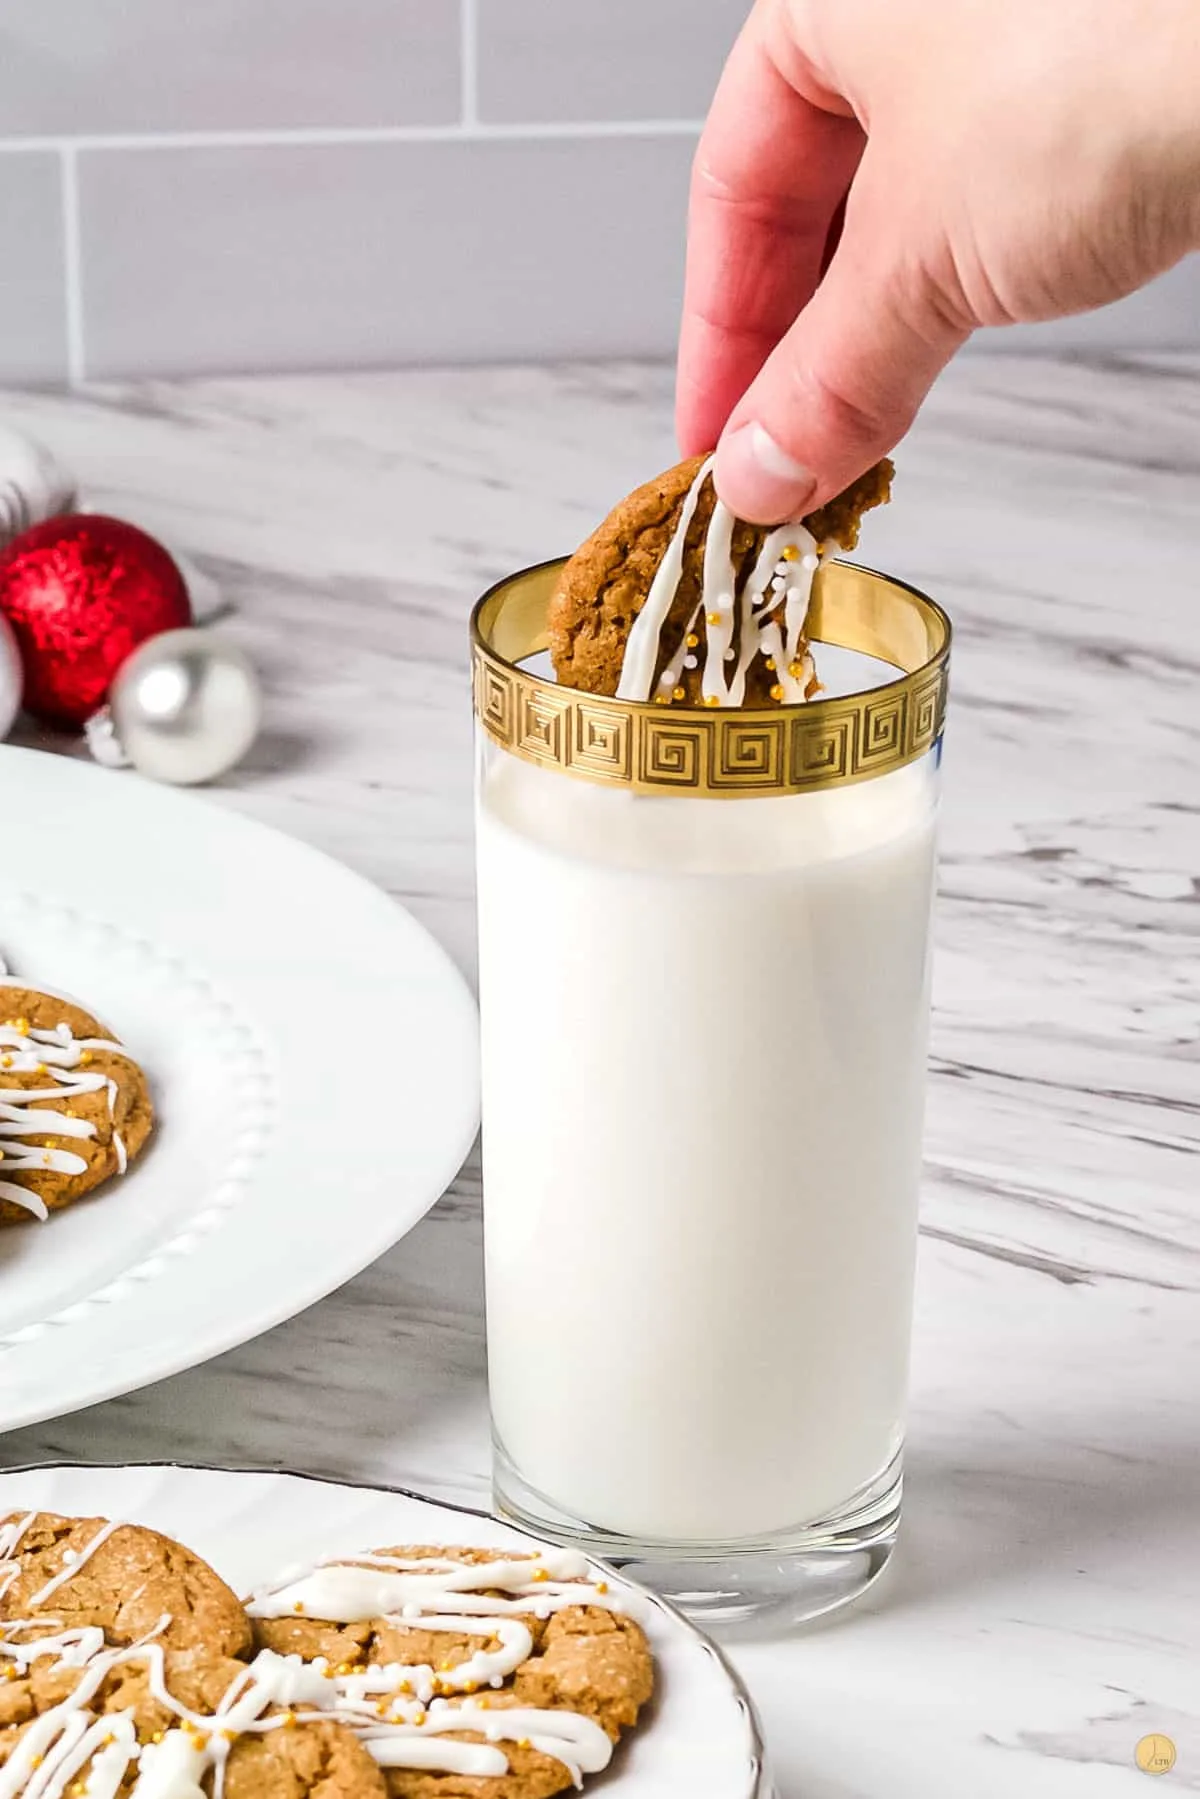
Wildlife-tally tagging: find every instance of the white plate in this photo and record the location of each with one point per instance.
(700, 1741)
(312, 1052)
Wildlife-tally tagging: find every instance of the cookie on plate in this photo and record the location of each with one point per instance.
(121, 1579)
(674, 600)
(104, 1718)
(74, 1105)
(468, 1673)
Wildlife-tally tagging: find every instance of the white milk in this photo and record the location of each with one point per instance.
(704, 1029)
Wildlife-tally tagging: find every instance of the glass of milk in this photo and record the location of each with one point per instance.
(704, 985)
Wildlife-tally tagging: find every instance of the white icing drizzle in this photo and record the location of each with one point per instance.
(392, 1709)
(453, 1596)
(738, 628)
(73, 1561)
(62, 1057)
(683, 658)
(54, 1749)
(642, 646)
(717, 600)
(11, 1532)
(576, 1741)
(351, 1591)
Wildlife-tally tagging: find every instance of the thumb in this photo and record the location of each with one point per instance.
(845, 383)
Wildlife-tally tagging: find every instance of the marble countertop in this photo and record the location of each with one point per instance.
(1043, 1612)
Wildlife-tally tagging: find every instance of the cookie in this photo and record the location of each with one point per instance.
(322, 1759)
(115, 1716)
(74, 1106)
(121, 1579)
(674, 600)
(472, 1674)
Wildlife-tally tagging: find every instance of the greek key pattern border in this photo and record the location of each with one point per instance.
(725, 753)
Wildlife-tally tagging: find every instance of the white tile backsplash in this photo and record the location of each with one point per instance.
(99, 66)
(602, 59)
(33, 328)
(367, 254)
(273, 183)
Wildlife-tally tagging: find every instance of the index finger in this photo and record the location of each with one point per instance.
(770, 173)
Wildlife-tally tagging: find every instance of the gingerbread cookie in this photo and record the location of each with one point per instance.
(120, 1579)
(119, 1665)
(674, 600)
(74, 1106)
(468, 1673)
(79, 1718)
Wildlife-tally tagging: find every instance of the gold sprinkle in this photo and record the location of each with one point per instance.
(78, 1789)
(677, 693)
(289, 1720)
(445, 1667)
(791, 553)
(795, 670)
(470, 1686)
(299, 1606)
(777, 692)
(46, 1161)
(540, 1574)
(523, 1743)
(158, 1736)
(419, 1715)
(406, 1686)
(484, 1704)
(602, 1586)
(85, 1056)
(22, 1026)
(692, 640)
(5, 1061)
(714, 618)
(770, 662)
(230, 1736)
(344, 1668)
(712, 699)
(660, 699)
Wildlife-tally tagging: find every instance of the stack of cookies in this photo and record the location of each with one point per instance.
(130, 1670)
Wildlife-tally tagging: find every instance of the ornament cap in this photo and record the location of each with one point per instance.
(103, 741)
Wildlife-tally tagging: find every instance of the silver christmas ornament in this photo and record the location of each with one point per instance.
(185, 708)
(11, 679)
(33, 484)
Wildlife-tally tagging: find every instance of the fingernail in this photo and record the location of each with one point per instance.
(758, 480)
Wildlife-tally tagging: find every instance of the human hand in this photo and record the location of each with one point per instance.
(998, 160)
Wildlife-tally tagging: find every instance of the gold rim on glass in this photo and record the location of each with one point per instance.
(722, 752)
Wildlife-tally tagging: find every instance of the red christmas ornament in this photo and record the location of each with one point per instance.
(81, 592)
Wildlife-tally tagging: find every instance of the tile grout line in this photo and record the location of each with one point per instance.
(72, 265)
(475, 133)
(469, 53)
